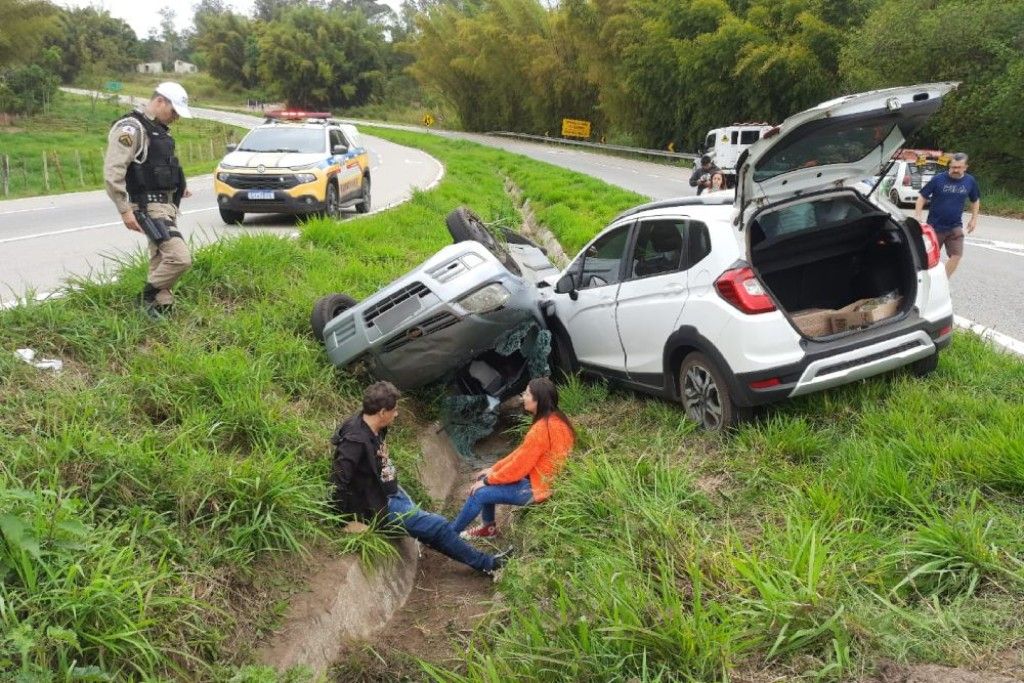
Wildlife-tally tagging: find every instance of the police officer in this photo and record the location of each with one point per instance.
(142, 171)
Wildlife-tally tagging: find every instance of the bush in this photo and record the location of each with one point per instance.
(27, 89)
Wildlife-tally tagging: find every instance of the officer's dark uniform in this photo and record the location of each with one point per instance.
(141, 168)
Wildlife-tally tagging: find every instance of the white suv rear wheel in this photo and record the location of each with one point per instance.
(705, 394)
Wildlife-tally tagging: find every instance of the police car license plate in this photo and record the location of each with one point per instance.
(261, 194)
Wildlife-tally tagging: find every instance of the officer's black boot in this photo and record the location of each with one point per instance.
(149, 305)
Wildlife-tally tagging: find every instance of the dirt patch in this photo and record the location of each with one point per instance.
(446, 603)
(533, 230)
(889, 672)
(711, 484)
(342, 601)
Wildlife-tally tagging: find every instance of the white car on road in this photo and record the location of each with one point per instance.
(905, 179)
(797, 284)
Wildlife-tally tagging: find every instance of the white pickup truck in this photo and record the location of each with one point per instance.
(724, 145)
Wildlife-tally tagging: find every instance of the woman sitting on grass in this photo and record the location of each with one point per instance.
(524, 475)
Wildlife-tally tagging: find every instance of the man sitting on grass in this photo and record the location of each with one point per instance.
(366, 482)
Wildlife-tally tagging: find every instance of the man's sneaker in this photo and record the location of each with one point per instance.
(482, 531)
(500, 560)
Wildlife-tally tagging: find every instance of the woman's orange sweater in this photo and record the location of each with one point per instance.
(540, 457)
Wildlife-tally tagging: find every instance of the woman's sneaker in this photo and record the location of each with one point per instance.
(482, 531)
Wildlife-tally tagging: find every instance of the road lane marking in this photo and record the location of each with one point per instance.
(1011, 248)
(989, 334)
(38, 208)
(80, 228)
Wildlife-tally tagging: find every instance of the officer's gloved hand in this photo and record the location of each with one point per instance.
(130, 222)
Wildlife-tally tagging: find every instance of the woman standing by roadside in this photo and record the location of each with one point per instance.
(524, 475)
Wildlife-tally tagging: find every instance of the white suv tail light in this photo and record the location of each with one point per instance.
(741, 288)
(931, 245)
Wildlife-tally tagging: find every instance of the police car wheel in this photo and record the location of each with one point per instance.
(231, 217)
(894, 197)
(333, 208)
(325, 309)
(363, 205)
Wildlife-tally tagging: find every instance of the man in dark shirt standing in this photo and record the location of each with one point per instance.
(366, 481)
(947, 192)
(701, 176)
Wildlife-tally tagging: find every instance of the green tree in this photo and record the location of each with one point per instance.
(228, 45)
(316, 57)
(90, 40)
(270, 10)
(508, 64)
(27, 89)
(913, 41)
(25, 24)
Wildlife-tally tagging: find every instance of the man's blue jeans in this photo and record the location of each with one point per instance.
(433, 530)
(483, 500)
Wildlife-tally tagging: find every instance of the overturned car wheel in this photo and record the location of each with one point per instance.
(326, 309)
(464, 226)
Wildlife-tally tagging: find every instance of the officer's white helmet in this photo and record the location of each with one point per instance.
(177, 97)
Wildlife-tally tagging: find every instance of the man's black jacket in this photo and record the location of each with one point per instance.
(355, 471)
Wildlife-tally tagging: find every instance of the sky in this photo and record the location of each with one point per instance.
(142, 15)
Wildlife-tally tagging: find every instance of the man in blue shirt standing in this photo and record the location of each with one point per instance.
(948, 191)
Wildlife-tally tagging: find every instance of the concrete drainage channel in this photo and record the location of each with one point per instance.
(344, 601)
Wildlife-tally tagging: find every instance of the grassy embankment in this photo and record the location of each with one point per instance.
(75, 129)
(876, 522)
(156, 494)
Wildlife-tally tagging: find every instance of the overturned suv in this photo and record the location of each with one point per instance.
(447, 317)
(802, 281)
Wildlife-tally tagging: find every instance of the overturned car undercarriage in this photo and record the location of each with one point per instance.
(468, 316)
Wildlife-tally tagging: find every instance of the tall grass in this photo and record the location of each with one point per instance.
(876, 522)
(149, 487)
(178, 460)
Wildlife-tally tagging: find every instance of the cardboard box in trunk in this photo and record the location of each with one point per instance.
(864, 312)
(814, 322)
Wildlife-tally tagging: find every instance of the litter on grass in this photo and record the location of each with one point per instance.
(29, 356)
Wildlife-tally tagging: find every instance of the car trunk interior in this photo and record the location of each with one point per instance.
(827, 255)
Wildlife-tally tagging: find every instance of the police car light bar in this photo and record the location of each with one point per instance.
(288, 115)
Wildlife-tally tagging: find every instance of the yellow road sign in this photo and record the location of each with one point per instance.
(428, 120)
(575, 128)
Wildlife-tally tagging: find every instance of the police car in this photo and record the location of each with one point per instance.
(297, 162)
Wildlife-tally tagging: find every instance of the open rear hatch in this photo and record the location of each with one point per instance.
(832, 261)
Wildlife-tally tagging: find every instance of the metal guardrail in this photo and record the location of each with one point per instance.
(597, 145)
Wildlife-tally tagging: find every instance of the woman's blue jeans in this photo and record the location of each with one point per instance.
(433, 530)
(483, 500)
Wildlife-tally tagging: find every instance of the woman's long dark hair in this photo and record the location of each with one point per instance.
(545, 393)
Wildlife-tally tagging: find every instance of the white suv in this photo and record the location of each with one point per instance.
(725, 302)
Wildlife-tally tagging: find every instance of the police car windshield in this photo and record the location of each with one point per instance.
(284, 140)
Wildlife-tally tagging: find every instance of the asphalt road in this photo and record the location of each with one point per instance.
(43, 240)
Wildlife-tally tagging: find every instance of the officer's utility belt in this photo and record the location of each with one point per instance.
(153, 198)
